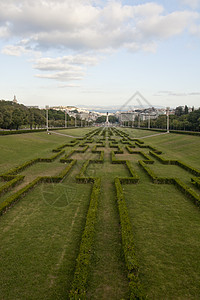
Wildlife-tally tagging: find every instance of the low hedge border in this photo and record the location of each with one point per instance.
(136, 140)
(10, 201)
(128, 245)
(155, 150)
(79, 285)
(27, 164)
(83, 260)
(10, 184)
(129, 179)
(176, 162)
(187, 191)
(113, 145)
(67, 158)
(171, 180)
(70, 144)
(146, 157)
(196, 181)
(8, 132)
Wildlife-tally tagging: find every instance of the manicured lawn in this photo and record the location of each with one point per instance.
(40, 239)
(40, 235)
(166, 227)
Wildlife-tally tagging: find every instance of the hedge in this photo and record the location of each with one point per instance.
(83, 261)
(67, 156)
(146, 157)
(70, 144)
(172, 131)
(116, 161)
(176, 162)
(187, 191)
(196, 181)
(128, 245)
(171, 180)
(22, 192)
(8, 132)
(22, 167)
(10, 184)
(31, 162)
(18, 195)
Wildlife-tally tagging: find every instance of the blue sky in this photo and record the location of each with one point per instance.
(92, 52)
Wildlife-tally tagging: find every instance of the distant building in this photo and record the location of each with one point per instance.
(33, 106)
(15, 99)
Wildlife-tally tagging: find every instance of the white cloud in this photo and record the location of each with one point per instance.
(62, 63)
(82, 25)
(71, 67)
(63, 76)
(176, 94)
(16, 50)
(70, 85)
(86, 26)
(195, 30)
(166, 26)
(192, 3)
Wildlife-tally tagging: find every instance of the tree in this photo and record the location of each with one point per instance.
(161, 122)
(112, 119)
(1, 119)
(179, 111)
(30, 117)
(185, 110)
(17, 118)
(194, 119)
(39, 118)
(101, 119)
(7, 118)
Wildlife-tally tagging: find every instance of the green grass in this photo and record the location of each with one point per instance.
(167, 238)
(16, 149)
(40, 238)
(40, 235)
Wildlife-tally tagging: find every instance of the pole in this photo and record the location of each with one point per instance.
(47, 118)
(75, 121)
(65, 119)
(167, 113)
(139, 121)
(149, 122)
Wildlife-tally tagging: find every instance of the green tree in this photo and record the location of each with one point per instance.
(30, 117)
(7, 118)
(112, 119)
(39, 118)
(186, 110)
(179, 111)
(17, 118)
(1, 119)
(101, 119)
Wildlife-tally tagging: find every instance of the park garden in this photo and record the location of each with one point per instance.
(100, 213)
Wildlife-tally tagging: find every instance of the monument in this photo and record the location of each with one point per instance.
(107, 122)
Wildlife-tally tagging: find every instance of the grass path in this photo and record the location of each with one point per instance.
(108, 275)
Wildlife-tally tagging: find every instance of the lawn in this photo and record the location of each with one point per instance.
(41, 234)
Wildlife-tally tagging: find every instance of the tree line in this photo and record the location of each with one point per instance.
(15, 116)
(181, 120)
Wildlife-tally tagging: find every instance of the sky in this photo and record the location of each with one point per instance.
(92, 52)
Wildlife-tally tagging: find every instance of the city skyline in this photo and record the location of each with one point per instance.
(100, 52)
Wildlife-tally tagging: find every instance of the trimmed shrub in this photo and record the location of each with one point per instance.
(81, 274)
(22, 192)
(196, 181)
(187, 191)
(10, 184)
(128, 245)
